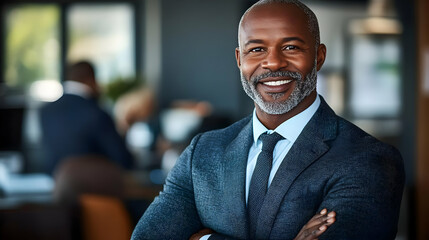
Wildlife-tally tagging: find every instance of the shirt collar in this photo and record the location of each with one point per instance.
(289, 129)
(77, 88)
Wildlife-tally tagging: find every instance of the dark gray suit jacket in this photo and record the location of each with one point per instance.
(333, 164)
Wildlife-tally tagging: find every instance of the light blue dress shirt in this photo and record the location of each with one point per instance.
(289, 129)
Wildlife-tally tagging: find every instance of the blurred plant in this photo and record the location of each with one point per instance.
(116, 88)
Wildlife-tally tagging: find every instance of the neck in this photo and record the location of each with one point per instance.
(272, 121)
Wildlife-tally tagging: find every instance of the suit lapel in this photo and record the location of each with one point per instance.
(235, 179)
(309, 146)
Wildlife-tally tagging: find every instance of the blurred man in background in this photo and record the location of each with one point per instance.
(75, 125)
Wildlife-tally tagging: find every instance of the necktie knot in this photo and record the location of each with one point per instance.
(269, 141)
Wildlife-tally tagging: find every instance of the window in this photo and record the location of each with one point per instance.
(103, 34)
(375, 76)
(32, 41)
(35, 49)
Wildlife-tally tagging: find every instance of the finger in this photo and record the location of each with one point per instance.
(317, 230)
(319, 218)
(201, 233)
(317, 225)
(330, 221)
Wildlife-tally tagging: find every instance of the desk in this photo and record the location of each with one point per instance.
(15, 201)
(38, 216)
(28, 210)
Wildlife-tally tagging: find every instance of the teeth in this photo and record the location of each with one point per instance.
(277, 83)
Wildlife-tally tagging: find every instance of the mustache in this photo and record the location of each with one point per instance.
(294, 75)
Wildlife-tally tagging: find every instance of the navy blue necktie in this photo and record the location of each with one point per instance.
(259, 182)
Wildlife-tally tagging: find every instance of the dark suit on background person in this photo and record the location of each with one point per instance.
(331, 164)
(75, 125)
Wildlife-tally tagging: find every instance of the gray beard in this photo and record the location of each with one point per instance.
(302, 89)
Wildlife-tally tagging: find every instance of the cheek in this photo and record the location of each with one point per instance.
(249, 66)
(301, 65)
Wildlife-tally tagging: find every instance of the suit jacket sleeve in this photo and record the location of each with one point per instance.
(366, 196)
(173, 214)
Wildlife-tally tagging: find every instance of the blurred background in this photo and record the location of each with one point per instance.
(166, 70)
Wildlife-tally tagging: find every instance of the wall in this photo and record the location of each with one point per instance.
(198, 62)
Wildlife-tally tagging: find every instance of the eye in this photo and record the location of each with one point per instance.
(291, 47)
(257, 49)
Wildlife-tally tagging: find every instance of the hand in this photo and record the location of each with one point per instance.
(317, 225)
(201, 233)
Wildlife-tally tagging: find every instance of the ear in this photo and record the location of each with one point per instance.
(321, 55)
(237, 57)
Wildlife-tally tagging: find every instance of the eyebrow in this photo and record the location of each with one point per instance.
(287, 39)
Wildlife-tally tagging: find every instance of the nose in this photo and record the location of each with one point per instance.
(274, 61)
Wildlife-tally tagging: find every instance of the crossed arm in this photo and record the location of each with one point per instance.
(315, 227)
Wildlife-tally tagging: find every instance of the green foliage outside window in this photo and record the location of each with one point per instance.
(32, 44)
(120, 86)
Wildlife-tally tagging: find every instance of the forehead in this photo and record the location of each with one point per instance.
(279, 18)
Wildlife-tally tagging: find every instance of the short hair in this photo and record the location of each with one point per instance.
(313, 25)
(81, 71)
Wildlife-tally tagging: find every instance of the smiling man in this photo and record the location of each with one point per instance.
(277, 173)
(279, 47)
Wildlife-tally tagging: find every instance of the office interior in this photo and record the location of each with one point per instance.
(170, 67)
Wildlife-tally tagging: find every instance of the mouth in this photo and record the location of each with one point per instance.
(276, 82)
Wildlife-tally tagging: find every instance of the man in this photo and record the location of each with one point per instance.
(76, 126)
(322, 161)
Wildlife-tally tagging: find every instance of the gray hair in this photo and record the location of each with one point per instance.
(313, 25)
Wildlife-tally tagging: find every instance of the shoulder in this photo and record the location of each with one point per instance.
(339, 132)
(358, 162)
(224, 135)
(68, 101)
(217, 141)
(351, 147)
(350, 134)
(361, 154)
